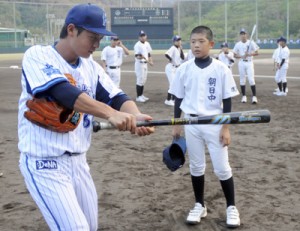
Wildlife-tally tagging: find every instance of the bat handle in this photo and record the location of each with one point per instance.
(106, 125)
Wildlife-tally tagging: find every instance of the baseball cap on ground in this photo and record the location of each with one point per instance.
(89, 17)
(176, 38)
(224, 45)
(142, 33)
(281, 39)
(243, 31)
(173, 155)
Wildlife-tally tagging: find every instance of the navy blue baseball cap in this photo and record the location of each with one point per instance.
(89, 17)
(243, 31)
(174, 155)
(176, 38)
(224, 45)
(142, 33)
(281, 39)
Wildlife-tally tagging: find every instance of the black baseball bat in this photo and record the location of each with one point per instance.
(240, 117)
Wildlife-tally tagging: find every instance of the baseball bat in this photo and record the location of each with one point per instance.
(240, 117)
(251, 37)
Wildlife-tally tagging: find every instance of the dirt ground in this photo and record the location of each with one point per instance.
(136, 190)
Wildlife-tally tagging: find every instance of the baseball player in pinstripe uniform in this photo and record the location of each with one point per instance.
(245, 50)
(175, 56)
(54, 164)
(142, 53)
(204, 86)
(112, 58)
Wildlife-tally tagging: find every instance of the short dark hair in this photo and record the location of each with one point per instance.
(203, 30)
(64, 32)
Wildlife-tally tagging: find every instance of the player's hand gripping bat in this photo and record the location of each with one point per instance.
(240, 117)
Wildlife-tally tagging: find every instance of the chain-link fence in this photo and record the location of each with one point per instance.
(27, 23)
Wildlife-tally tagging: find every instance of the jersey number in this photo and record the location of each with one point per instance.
(86, 121)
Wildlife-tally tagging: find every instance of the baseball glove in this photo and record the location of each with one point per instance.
(50, 115)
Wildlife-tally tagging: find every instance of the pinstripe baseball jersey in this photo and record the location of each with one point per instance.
(42, 68)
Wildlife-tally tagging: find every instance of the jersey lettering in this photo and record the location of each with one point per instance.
(46, 164)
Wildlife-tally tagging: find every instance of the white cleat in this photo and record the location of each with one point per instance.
(254, 100)
(232, 217)
(169, 102)
(140, 99)
(244, 99)
(281, 93)
(145, 98)
(196, 214)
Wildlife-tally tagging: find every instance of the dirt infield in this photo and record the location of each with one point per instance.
(136, 190)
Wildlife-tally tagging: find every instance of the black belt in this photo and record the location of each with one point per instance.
(72, 153)
(194, 115)
(113, 67)
(143, 61)
(245, 60)
(176, 66)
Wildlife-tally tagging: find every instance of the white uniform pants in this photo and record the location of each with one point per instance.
(115, 75)
(170, 71)
(197, 137)
(246, 69)
(141, 72)
(281, 74)
(66, 195)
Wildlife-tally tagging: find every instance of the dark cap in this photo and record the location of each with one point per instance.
(176, 38)
(243, 31)
(114, 38)
(89, 17)
(224, 45)
(281, 39)
(142, 33)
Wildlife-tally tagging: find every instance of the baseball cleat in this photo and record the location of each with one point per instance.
(140, 99)
(254, 100)
(244, 99)
(277, 90)
(145, 98)
(169, 102)
(196, 214)
(232, 217)
(280, 93)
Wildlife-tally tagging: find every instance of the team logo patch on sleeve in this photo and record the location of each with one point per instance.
(46, 164)
(49, 70)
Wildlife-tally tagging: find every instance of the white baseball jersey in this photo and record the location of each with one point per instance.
(113, 57)
(275, 55)
(42, 68)
(245, 66)
(282, 71)
(54, 164)
(170, 69)
(140, 66)
(203, 90)
(226, 58)
(190, 55)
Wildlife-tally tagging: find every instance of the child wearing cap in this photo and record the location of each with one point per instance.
(226, 56)
(282, 65)
(175, 57)
(142, 53)
(112, 58)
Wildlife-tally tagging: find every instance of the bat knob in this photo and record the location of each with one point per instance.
(96, 126)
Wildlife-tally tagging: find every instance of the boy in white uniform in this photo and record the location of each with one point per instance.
(204, 86)
(226, 56)
(282, 67)
(142, 53)
(175, 56)
(112, 59)
(245, 50)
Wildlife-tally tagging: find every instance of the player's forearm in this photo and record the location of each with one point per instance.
(130, 107)
(86, 104)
